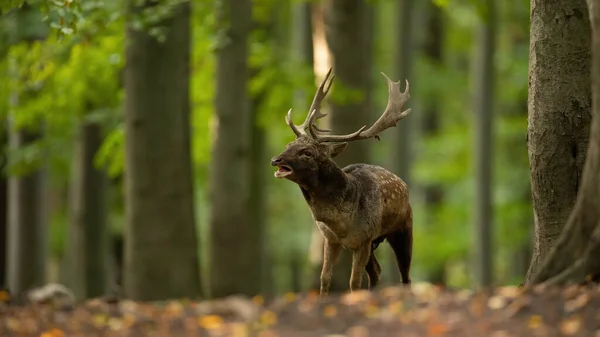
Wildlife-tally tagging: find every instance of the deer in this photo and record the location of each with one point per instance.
(356, 207)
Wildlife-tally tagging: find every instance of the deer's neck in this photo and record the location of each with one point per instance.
(329, 186)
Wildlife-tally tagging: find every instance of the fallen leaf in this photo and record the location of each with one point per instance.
(268, 318)
(395, 307)
(577, 303)
(500, 333)
(238, 330)
(371, 310)
(355, 297)
(173, 309)
(330, 311)
(289, 297)
(357, 331)
(510, 292)
(258, 300)
(496, 302)
(53, 333)
(570, 326)
(4, 296)
(100, 320)
(210, 321)
(535, 321)
(437, 329)
(267, 333)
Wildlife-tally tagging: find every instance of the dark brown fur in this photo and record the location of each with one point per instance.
(356, 207)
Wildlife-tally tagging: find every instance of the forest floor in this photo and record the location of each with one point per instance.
(423, 310)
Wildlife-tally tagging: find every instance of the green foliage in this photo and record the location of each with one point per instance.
(75, 76)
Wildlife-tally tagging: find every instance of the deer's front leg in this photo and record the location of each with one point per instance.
(360, 258)
(331, 253)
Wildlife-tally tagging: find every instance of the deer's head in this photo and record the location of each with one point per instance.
(303, 157)
(313, 149)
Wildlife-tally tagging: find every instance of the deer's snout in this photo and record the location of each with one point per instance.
(276, 161)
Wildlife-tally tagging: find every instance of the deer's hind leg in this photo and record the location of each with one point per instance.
(373, 267)
(373, 271)
(401, 242)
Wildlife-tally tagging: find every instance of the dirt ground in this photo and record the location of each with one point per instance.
(423, 310)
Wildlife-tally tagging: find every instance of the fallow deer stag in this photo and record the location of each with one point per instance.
(356, 207)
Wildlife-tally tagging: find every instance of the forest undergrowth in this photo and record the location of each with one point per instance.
(422, 310)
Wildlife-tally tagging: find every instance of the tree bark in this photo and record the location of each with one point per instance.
(483, 104)
(26, 224)
(349, 34)
(88, 232)
(576, 252)
(433, 194)
(559, 115)
(234, 250)
(161, 250)
(3, 202)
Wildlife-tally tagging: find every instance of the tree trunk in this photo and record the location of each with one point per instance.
(576, 252)
(433, 194)
(3, 202)
(88, 233)
(349, 35)
(161, 250)
(26, 224)
(483, 106)
(234, 249)
(559, 115)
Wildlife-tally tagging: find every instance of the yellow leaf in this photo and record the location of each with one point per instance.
(570, 326)
(395, 307)
(100, 320)
(4, 296)
(173, 309)
(535, 321)
(289, 297)
(268, 318)
(258, 300)
(239, 330)
(371, 311)
(210, 321)
(330, 311)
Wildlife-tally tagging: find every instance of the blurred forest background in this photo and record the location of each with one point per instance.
(138, 146)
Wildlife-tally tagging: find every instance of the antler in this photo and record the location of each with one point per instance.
(392, 114)
(314, 112)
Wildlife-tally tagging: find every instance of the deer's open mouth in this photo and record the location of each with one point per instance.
(283, 171)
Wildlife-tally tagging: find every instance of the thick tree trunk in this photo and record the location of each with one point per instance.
(576, 252)
(161, 250)
(349, 33)
(559, 115)
(26, 225)
(3, 201)
(483, 105)
(234, 249)
(88, 232)
(433, 194)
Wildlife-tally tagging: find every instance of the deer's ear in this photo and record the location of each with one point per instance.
(336, 149)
